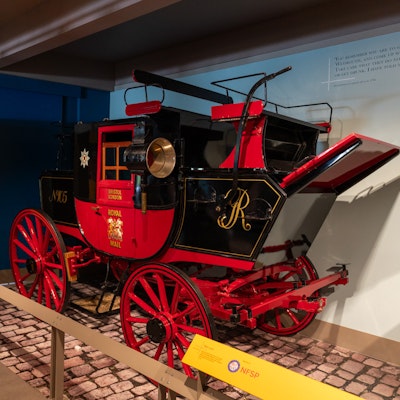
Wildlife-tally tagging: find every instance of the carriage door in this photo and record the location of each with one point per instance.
(115, 191)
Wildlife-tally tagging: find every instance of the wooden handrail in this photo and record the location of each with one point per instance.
(168, 378)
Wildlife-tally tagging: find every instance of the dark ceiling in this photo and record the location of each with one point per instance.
(97, 43)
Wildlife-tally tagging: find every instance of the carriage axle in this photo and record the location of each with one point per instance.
(245, 309)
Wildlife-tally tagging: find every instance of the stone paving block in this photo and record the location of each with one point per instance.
(142, 390)
(106, 380)
(327, 367)
(255, 353)
(73, 362)
(391, 380)
(26, 375)
(32, 342)
(358, 357)
(316, 359)
(335, 381)
(81, 370)
(391, 369)
(348, 376)
(317, 351)
(25, 331)
(375, 372)
(41, 370)
(307, 365)
(341, 351)
(141, 380)
(352, 366)
(127, 374)
(72, 382)
(11, 361)
(355, 388)
(368, 379)
(383, 390)
(100, 372)
(8, 328)
(317, 375)
(120, 387)
(277, 343)
(288, 361)
(45, 359)
(324, 345)
(38, 382)
(104, 362)
(334, 358)
(82, 388)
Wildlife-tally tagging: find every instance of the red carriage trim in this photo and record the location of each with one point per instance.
(340, 166)
(147, 107)
(326, 125)
(229, 111)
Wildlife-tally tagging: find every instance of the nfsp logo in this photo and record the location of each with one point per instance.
(234, 366)
(249, 372)
(59, 196)
(236, 207)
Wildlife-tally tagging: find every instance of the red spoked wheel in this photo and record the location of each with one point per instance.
(37, 259)
(288, 321)
(161, 311)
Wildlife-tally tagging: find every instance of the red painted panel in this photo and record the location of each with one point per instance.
(115, 193)
(124, 232)
(229, 111)
(251, 146)
(147, 107)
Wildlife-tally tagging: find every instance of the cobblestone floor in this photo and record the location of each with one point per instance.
(89, 374)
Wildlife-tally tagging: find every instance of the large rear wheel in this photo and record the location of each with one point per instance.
(161, 311)
(37, 259)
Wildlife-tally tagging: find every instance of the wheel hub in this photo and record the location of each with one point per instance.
(31, 266)
(159, 329)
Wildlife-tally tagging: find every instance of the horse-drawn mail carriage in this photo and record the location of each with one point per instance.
(198, 217)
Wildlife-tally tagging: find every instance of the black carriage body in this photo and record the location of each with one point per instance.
(57, 196)
(239, 232)
(200, 181)
(198, 184)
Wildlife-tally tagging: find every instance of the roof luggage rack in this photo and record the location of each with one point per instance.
(325, 125)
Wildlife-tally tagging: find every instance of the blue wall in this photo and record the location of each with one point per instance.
(34, 115)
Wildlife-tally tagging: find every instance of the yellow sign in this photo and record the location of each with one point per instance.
(256, 376)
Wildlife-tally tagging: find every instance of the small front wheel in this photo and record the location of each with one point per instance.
(161, 311)
(288, 321)
(37, 259)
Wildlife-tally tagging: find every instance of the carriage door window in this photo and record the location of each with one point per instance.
(115, 186)
(112, 167)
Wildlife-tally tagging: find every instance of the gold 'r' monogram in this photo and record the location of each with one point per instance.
(237, 205)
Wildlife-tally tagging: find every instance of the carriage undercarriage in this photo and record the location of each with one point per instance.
(163, 305)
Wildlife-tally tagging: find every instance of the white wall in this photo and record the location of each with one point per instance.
(361, 81)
